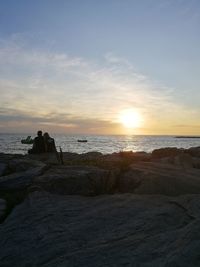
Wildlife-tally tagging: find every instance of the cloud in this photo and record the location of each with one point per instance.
(187, 126)
(17, 121)
(49, 88)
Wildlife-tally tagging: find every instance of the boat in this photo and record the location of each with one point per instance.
(82, 140)
(27, 141)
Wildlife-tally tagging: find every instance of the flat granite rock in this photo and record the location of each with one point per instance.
(111, 230)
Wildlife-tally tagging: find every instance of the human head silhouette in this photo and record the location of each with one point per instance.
(39, 133)
(46, 135)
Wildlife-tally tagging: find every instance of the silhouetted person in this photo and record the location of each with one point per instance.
(49, 143)
(38, 144)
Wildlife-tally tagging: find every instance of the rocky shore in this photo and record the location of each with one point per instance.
(122, 209)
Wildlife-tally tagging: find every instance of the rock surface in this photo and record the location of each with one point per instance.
(123, 209)
(116, 230)
(23, 177)
(159, 178)
(3, 168)
(82, 180)
(2, 208)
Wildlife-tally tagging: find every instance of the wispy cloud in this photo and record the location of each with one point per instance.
(51, 88)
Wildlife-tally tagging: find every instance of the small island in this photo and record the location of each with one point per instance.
(120, 208)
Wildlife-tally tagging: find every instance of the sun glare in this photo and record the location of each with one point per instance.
(130, 118)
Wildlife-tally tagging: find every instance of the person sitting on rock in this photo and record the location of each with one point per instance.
(38, 144)
(49, 143)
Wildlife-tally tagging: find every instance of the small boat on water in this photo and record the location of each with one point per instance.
(27, 141)
(82, 140)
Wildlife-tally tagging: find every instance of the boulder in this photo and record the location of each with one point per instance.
(21, 165)
(184, 160)
(22, 179)
(166, 152)
(83, 180)
(194, 151)
(47, 158)
(159, 178)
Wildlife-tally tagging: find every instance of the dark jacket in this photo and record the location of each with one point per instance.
(50, 145)
(38, 145)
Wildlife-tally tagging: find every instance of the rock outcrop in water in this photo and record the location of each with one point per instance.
(123, 209)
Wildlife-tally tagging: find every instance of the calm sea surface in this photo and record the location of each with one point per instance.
(11, 143)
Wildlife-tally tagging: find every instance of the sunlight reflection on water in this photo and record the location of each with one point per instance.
(11, 143)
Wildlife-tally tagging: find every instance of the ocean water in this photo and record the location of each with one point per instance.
(11, 143)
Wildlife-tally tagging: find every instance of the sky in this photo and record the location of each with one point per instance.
(76, 66)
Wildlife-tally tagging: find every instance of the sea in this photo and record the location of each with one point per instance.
(106, 144)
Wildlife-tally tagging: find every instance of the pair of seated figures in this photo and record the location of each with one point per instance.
(42, 143)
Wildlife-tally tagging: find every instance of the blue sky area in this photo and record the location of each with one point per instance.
(73, 66)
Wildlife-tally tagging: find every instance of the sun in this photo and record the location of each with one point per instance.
(130, 118)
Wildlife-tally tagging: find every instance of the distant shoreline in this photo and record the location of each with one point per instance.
(187, 136)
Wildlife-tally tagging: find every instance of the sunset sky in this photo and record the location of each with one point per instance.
(100, 67)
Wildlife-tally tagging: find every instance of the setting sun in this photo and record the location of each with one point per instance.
(130, 118)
